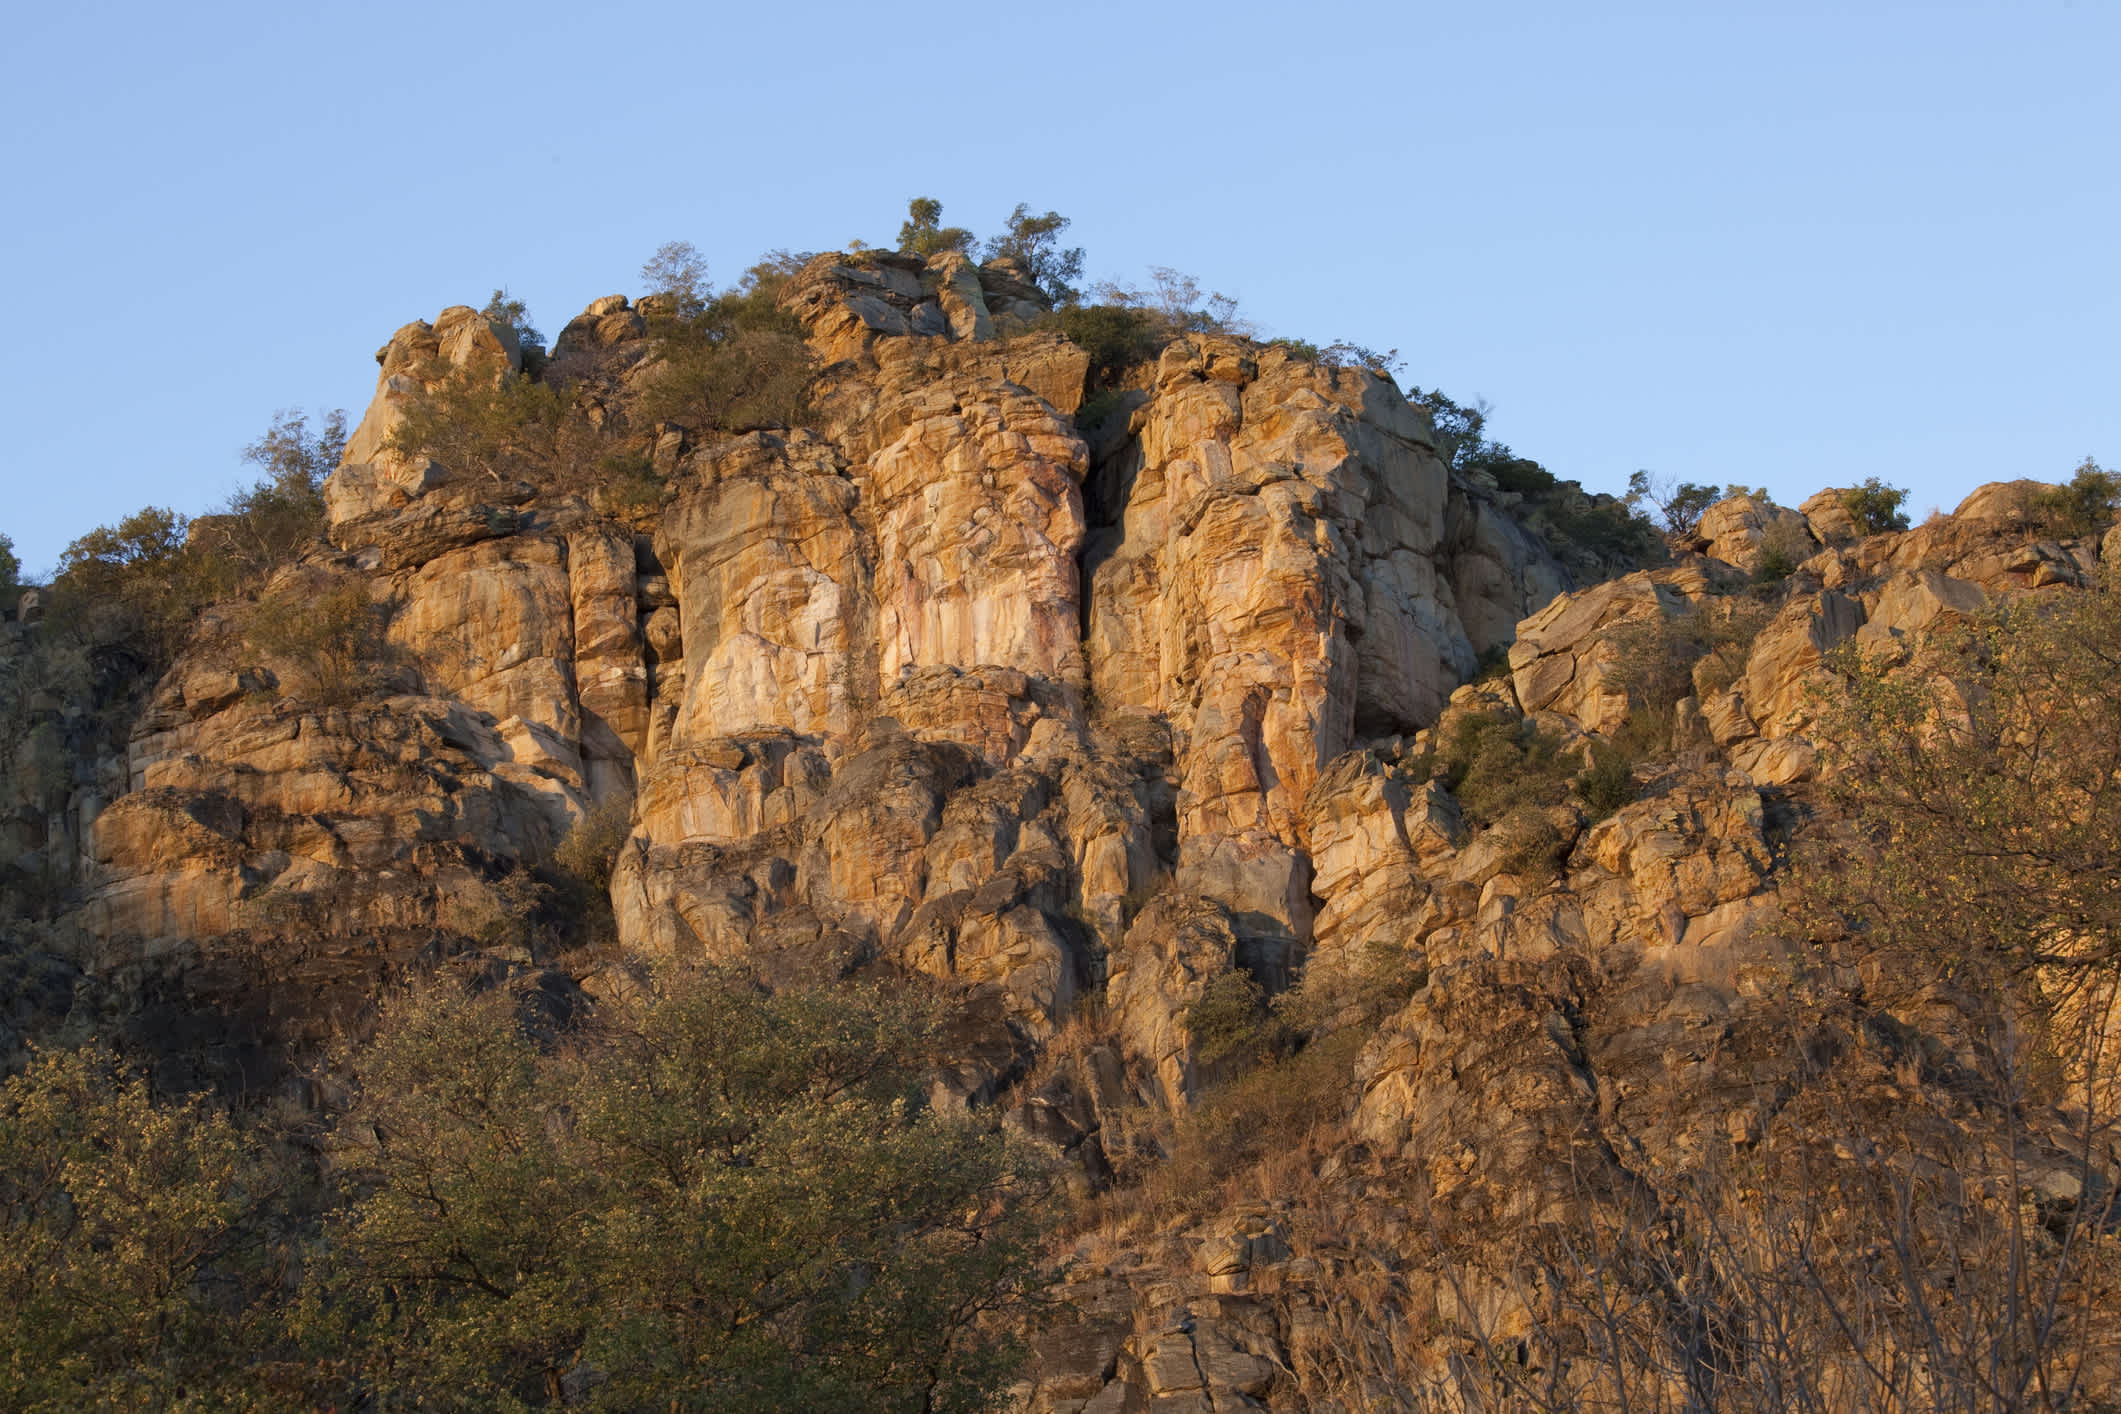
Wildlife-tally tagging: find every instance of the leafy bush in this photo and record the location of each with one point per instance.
(1386, 363)
(137, 582)
(1607, 783)
(1117, 338)
(505, 426)
(1954, 769)
(1256, 1135)
(678, 272)
(265, 526)
(1227, 1019)
(1573, 522)
(1497, 765)
(627, 483)
(328, 636)
(2085, 504)
(512, 313)
(1175, 302)
(1875, 507)
(717, 1199)
(1605, 526)
(1533, 846)
(740, 362)
(1664, 657)
(586, 858)
(1785, 545)
(123, 1230)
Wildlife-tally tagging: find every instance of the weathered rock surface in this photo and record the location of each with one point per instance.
(1086, 723)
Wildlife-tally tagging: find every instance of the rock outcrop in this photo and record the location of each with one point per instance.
(1097, 721)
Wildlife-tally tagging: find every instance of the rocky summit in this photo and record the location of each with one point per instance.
(1379, 899)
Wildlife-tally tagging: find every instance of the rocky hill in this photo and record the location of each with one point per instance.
(1353, 881)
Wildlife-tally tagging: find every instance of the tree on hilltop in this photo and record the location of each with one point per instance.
(1033, 242)
(924, 233)
(678, 270)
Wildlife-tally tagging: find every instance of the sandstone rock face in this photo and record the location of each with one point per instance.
(766, 563)
(1569, 657)
(932, 683)
(978, 518)
(832, 636)
(1739, 528)
(371, 478)
(1086, 723)
(1826, 515)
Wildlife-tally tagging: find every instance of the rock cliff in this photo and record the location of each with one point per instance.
(1086, 707)
(945, 679)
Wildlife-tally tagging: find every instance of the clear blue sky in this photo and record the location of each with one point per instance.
(1790, 244)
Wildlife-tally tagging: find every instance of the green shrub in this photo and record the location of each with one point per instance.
(1605, 526)
(1702, 650)
(513, 314)
(1497, 764)
(1679, 503)
(1098, 406)
(504, 426)
(1533, 846)
(1607, 783)
(1784, 546)
(678, 272)
(126, 1230)
(2085, 504)
(328, 636)
(1875, 507)
(1520, 475)
(1117, 338)
(740, 362)
(138, 582)
(586, 858)
(627, 483)
(1358, 989)
(266, 526)
(1255, 1131)
(1229, 1018)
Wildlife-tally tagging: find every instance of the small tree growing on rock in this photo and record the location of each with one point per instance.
(1875, 507)
(2086, 503)
(1033, 242)
(510, 312)
(924, 233)
(679, 271)
(1680, 504)
(262, 527)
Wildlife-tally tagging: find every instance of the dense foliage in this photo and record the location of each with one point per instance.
(923, 232)
(713, 1198)
(1988, 789)
(128, 1238)
(1875, 507)
(739, 361)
